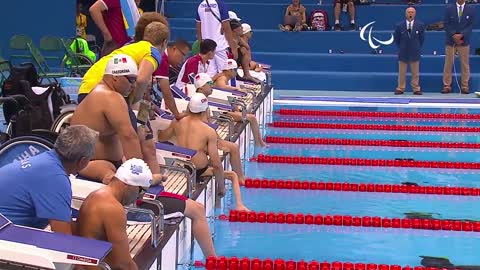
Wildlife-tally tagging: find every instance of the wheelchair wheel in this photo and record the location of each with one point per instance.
(21, 148)
(62, 121)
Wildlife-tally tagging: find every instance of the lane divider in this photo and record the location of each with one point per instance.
(352, 221)
(246, 263)
(365, 162)
(392, 143)
(400, 115)
(359, 187)
(372, 127)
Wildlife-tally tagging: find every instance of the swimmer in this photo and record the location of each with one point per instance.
(192, 132)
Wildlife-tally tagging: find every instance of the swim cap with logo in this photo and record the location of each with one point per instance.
(198, 103)
(135, 172)
(121, 65)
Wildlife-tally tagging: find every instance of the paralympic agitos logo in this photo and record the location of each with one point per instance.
(373, 42)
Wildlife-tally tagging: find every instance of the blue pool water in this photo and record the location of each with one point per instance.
(347, 244)
(340, 151)
(379, 121)
(365, 204)
(357, 174)
(353, 244)
(376, 135)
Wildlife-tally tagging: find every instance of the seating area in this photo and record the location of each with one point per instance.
(52, 57)
(345, 68)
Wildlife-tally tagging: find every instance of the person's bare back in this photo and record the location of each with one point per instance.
(93, 112)
(191, 132)
(97, 212)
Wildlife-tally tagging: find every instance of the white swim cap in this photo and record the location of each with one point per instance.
(201, 79)
(231, 64)
(135, 172)
(233, 16)
(198, 103)
(246, 28)
(121, 65)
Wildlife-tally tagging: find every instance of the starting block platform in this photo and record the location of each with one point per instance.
(44, 249)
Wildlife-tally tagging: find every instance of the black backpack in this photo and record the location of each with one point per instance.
(25, 71)
(37, 114)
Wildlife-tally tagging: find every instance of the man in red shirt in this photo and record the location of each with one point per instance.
(108, 16)
(198, 63)
(174, 55)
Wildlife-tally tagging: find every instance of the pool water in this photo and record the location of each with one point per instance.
(470, 137)
(358, 244)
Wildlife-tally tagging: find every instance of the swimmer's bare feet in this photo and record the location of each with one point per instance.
(242, 208)
(241, 181)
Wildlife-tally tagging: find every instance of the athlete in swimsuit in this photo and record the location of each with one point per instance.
(192, 132)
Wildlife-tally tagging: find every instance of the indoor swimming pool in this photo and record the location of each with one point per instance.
(282, 232)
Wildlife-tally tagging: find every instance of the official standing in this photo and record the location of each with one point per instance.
(409, 36)
(458, 21)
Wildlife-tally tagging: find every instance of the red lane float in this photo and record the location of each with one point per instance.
(234, 263)
(400, 115)
(359, 187)
(373, 127)
(366, 162)
(353, 221)
(391, 143)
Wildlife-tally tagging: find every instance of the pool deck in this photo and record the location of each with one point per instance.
(377, 99)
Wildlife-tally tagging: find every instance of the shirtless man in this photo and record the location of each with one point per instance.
(146, 56)
(244, 55)
(103, 217)
(192, 132)
(105, 110)
(222, 82)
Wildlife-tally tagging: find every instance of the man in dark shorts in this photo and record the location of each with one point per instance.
(242, 49)
(340, 5)
(103, 217)
(193, 132)
(106, 111)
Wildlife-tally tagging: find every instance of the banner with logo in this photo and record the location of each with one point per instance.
(130, 15)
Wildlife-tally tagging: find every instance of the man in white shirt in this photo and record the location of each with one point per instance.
(213, 22)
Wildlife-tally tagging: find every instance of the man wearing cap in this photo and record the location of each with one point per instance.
(213, 23)
(197, 64)
(193, 132)
(203, 84)
(103, 217)
(146, 56)
(222, 82)
(243, 50)
(246, 36)
(36, 191)
(118, 136)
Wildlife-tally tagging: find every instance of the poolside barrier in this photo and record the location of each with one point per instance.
(234, 263)
(359, 187)
(355, 221)
(399, 115)
(366, 162)
(391, 143)
(372, 127)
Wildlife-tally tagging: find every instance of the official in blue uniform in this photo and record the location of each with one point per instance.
(458, 21)
(409, 36)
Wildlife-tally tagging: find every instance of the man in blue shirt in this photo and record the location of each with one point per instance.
(37, 191)
(459, 20)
